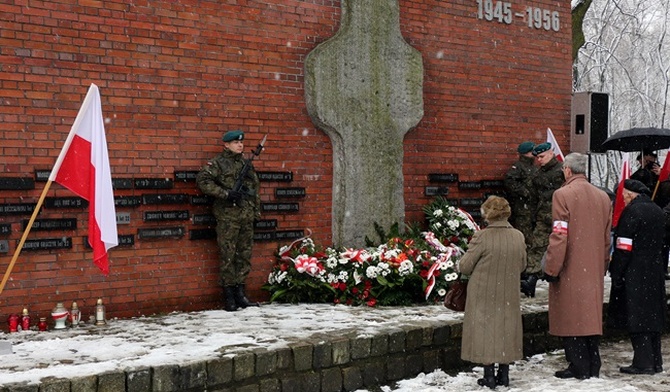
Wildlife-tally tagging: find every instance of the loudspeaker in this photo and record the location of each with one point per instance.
(589, 122)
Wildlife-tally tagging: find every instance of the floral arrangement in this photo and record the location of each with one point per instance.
(414, 268)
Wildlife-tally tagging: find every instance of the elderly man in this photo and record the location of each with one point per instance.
(577, 258)
(549, 177)
(637, 298)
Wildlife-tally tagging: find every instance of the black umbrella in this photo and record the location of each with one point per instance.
(638, 139)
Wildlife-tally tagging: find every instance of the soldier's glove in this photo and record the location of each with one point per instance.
(234, 196)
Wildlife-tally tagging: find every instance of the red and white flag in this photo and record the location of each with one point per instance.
(83, 168)
(618, 202)
(665, 170)
(554, 145)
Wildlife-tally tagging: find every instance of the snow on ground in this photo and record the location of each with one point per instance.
(181, 338)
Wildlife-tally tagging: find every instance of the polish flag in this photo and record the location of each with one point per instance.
(554, 145)
(618, 202)
(83, 168)
(665, 170)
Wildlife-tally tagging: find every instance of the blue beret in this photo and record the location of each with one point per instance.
(233, 135)
(525, 147)
(540, 148)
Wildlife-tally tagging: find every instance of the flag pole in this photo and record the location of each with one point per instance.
(25, 236)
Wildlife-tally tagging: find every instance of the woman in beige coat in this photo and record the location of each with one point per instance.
(492, 330)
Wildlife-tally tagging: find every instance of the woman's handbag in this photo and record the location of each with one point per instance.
(455, 298)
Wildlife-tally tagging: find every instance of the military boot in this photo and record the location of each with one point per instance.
(528, 285)
(502, 378)
(229, 300)
(489, 379)
(241, 299)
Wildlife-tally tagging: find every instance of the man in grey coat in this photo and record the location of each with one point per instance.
(577, 259)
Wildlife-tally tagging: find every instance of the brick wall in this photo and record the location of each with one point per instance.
(174, 75)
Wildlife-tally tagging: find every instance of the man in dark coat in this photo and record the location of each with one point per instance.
(577, 257)
(518, 188)
(637, 297)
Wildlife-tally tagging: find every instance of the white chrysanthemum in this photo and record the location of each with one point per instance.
(405, 268)
(343, 276)
(331, 278)
(371, 272)
(449, 264)
(331, 262)
(437, 225)
(443, 266)
(438, 213)
(281, 276)
(453, 224)
(441, 292)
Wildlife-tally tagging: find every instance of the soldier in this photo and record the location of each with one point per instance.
(518, 184)
(548, 178)
(235, 212)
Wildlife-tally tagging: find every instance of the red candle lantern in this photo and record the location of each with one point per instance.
(13, 320)
(25, 320)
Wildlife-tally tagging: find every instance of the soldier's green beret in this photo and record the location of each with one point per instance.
(542, 147)
(233, 135)
(525, 147)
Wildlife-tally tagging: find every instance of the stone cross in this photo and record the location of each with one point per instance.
(364, 88)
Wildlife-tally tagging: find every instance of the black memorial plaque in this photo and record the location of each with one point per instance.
(65, 202)
(4, 246)
(289, 234)
(265, 236)
(124, 240)
(472, 202)
(123, 218)
(442, 177)
(52, 224)
(122, 183)
(202, 200)
(165, 198)
(452, 202)
(16, 183)
(153, 183)
(283, 193)
(127, 201)
(185, 175)
(204, 219)
(47, 243)
(154, 216)
(5, 228)
(265, 224)
(280, 207)
(436, 190)
(42, 175)
(165, 232)
(475, 213)
(493, 184)
(469, 185)
(202, 234)
(17, 209)
(269, 176)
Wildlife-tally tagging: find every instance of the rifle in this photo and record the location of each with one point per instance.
(239, 186)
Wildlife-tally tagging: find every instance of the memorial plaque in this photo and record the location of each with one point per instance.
(17, 209)
(65, 202)
(16, 183)
(122, 183)
(165, 198)
(442, 177)
(202, 200)
(185, 175)
(289, 234)
(52, 224)
(153, 216)
(476, 214)
(469, 185)
(5, 228)
(474, 202)
(493, 183)
(4, 246)
(452, 202)
(269, 176)
(123, 218)
(265, 236)
(124, 240)
(289, 192)
(265, 224)
(164, 232)
(204, 219)
(47, 243)
(153, 183)
(202, 234)
(127, 201)
(436, 190)
(280, 207)
(42, 175)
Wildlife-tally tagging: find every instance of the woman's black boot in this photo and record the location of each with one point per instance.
(502, 378)
(489, 379)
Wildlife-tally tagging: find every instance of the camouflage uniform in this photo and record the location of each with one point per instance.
(548, 178)
(235, 223)
(519, 184)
